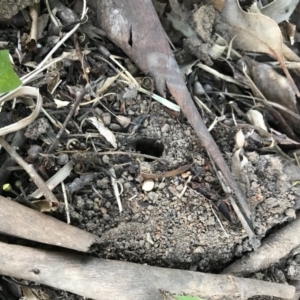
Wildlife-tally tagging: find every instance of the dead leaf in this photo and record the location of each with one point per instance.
(103, 86)
(279, 10)
(60, 103)
(109, 136)
(239, 140)
(253, 32)
(276, 88)
(44, 205)
(256, 118)
(237, 164)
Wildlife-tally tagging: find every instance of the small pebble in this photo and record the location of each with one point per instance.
(106, 217)
(89, 204)
(115, 127)
(62, 159)
(161, 185)
(34, 151)
(106, 117)
(165, 128)
(107, 204)
(105, 159)
(150, 207)
(148, 185)
(103, 210)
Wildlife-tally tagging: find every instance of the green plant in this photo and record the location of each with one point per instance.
(9, 80)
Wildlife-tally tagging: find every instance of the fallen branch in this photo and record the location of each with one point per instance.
(104, 279)
(20, 221)
(273, 248)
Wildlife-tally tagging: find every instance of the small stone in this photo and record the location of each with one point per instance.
(153, 196)
(115, 127)
(199, 249)
(106, 217)
(79, 202)
(105, 159)
(34, 152)
(161, 185)
(179, 187)
(108, 204)
(165, 128)
(290, 212)
(62, 159)
(136, 216)
(103, 183)
(131, 112)
(89, 204)
(148, 185)
(123, 121)
(127, 186)
(106, 117)
(149, 239)
(150, 207)
(103, 210)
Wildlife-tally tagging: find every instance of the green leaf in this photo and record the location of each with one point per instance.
(8, 78)
(187, 298)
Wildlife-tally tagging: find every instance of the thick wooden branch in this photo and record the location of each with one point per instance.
(102, 279)
(20, 221)
(272, 249)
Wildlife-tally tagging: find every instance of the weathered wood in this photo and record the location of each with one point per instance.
(102, 279)
(20, 221)
(272, 249)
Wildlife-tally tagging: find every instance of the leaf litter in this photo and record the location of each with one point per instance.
(273, 202)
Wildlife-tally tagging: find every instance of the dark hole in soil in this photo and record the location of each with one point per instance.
(150, 147)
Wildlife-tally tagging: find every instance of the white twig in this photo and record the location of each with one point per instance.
(219, 221)
(185, 187)
(66, 203)
(115, 188)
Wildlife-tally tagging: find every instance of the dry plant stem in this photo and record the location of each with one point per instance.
(34, 12)
(31, 172)
(272, 249)
(23, 222)
(81, 156)
(80, 57)
(101, 279)
(79, 97)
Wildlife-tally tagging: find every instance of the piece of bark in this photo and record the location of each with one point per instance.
(135, 27)
(20, 221)
(102, 279)
(272, 249)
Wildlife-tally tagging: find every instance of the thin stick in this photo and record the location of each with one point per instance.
(219, 221)
(66, 203)
(78, 158)
(69, 116)
(34, 25)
